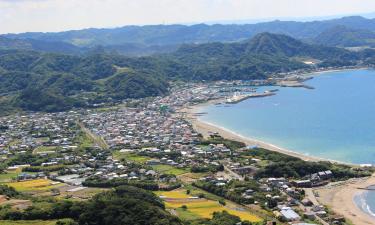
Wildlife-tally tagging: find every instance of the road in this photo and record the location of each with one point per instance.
(235, 175)
(98, 140)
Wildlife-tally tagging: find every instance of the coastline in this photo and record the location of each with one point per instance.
(206, 128)
(340, 197)
(318, 73)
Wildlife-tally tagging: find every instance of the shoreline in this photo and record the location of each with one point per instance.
(340, 197)
(205, 128)
(318, 73)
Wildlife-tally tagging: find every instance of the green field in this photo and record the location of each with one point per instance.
(186, 215)
(84, 140)
(8, 176)
(167, 169)
(42, 149)
(130, 157)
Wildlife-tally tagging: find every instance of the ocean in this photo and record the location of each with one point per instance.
(336, 120)
(366, 202)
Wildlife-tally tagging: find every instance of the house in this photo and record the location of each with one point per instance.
(245, 170)
(289, 214)
(302, 183)
(153, 162)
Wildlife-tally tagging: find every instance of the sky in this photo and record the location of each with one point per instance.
(58, 15)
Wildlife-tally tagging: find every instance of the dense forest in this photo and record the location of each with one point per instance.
(39, 81)
(123, 205)
(346, 37)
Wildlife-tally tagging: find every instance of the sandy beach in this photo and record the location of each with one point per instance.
(207, 128)
(337, 196)
(340, 198)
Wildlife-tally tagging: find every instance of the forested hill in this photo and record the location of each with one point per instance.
(258, 57)
(346, 37)
(162, 35)
(54, 82)
(39, 45)
(36, 81)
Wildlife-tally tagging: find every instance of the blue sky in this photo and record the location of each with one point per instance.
(57, 15)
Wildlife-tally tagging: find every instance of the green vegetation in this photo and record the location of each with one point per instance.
(346, 37)
(42, 149)
(123, 205)
(61, 82)
(130, 157)
(167, 169)
(136, 38)
(234, 190)
(146, 184)
(28, 222)
(231, 144)
(282, 165)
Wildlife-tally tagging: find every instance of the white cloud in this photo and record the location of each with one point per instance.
(56, 15)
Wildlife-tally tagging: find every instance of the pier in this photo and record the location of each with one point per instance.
(240, 98)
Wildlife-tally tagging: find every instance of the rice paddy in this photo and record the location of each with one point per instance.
(201, 208)
(33, 185)
(173, 194)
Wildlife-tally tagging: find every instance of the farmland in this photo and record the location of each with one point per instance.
(8, 176)
(45, 149)
(130, 157)
(167, 169)
(33, 185)
(200, 207)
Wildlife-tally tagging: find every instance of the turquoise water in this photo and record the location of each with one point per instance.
(336, 120)
(366, 202)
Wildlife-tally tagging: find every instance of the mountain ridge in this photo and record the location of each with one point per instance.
(198, 33)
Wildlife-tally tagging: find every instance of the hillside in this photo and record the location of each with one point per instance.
(346, 37)
(37, 81)
(54, 82)
(161, 35)
(258, 57)
(39, 45)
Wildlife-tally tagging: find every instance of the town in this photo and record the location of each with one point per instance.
(151, 143)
